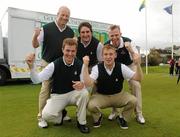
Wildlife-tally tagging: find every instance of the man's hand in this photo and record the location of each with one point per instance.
(78, 85)
(128, 46)
(135, 56)
(37, 32)
(30, 60)
(86, 60)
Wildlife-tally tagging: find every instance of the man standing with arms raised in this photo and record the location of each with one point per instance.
(127, 54)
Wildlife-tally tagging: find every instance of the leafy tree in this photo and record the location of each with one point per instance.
(154, 57)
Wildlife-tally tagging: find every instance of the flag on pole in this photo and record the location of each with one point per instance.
(142, 5)
(168, 9)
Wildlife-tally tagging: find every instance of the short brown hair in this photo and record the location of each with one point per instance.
(107, 47)
(85, 24)
(112, 27)
(70, 42)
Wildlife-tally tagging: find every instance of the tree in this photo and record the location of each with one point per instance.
(154, 57)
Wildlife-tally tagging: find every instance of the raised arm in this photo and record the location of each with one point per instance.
(30, 60)
(86, 77)
(133, 51)
(33, 74)
(138, 74)
(35, 42)
(137, 61)
(45, 74)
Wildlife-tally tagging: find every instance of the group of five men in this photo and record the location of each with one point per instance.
(65, 78)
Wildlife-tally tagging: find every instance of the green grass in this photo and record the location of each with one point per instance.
(157, 69)
(161, 108)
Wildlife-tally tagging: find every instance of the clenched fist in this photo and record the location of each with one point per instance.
(30, 60)
(37, 32)
(86, 60)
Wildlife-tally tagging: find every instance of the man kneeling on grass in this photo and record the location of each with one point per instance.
(67, 86)
(109, 76)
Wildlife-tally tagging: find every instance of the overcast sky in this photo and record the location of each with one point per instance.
(122, 12)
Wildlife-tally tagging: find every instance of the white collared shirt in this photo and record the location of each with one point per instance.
(68, 64)
(126, 72)
(108, 70)
(46, 73)
(40, 38)
(122, 45)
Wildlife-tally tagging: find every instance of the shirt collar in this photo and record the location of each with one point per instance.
(85, 45)
(109, 69)
(121, 44)
(61, 30)
(69, 65)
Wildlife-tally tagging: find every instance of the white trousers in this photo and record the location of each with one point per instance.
(52, 111)
(135, 87)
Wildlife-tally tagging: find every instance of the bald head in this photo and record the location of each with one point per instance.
(63, 16)
(64, 9)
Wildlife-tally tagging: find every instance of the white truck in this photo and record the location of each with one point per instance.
(16, 30)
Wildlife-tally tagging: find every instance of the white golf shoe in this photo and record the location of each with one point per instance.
(140, 119)
(42, 123)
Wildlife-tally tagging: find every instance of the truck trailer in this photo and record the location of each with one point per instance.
(16, 30)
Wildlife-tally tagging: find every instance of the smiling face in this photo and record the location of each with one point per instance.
(85, 34)
(109, 55)
(63, 16)
(114, 36)
(69, 50)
